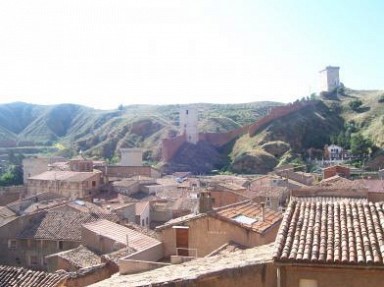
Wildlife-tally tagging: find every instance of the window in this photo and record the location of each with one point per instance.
(60, 245)
(12, 244)
(146, 220)
(142, 222)
(93, 183)
(308, 283)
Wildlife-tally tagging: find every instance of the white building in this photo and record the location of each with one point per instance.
(329, 79)
(131, 157)
(188, 124)
(335, 152)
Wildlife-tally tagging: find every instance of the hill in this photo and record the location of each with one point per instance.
(100, 133)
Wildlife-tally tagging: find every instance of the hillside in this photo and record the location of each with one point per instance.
(100, 133)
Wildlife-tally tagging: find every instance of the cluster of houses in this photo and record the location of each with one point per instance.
(82, 222)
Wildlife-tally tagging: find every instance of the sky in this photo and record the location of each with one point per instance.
(106, 53)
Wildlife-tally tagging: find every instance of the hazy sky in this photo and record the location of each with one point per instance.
(103, 53)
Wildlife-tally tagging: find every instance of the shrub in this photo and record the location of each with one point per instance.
(381, 99)
(355, 104)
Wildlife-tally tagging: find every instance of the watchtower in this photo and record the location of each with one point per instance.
(329, 79)
(188, 124)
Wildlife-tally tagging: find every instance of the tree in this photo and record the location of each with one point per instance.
(359, 145)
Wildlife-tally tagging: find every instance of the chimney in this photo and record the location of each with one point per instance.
(263, 210)
(205, 202)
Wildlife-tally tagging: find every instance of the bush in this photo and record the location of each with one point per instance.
(381, 99)
(355, 104)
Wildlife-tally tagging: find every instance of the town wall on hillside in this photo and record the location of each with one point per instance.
(172, 145)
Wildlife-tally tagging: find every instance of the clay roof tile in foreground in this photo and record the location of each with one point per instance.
(331, 231)
(17, 276)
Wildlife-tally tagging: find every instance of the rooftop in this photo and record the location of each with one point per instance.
(250, 215)
(58, 175)
(60, 225)
(194, 269)
(121, 234)
(331, 231)
(80, 257)
(17, 276)
(246, 213)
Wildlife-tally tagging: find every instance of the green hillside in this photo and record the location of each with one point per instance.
(101, 133)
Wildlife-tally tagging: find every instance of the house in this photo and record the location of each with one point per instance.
(104, 236)
(142, 213)
(36, 165)
(72, 260)
(226, 193)
(297, 176)
(334, 152)
(17, 276)
(196, 235)
(119, 171)
(336, 170)
(330, 242)
(71, 184)
(28, 239)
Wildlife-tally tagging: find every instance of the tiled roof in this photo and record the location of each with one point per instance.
(266, 191)
(6, 215)
(121, 234)
(331, 231)
(229, 213)
(184, 274)
(337, 181)
(80, 257)
(74, 176)
(373, 185)
(251, 210)
(86, 206)
(40, 201)
(16, 276)
(61, 225)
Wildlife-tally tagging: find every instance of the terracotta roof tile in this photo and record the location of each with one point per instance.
(16, 276)
(253, 211)
(331, 231)
(121, 234)
(80, 257)
(61, 225)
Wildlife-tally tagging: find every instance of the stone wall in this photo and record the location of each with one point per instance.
(10, 194)
(130, 171)
(329, 276)
(130, 266)
(216, 233)
(171, 146)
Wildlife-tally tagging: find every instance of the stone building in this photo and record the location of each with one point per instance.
(28, 239)
(188, 124)
(245, 223)
(329, 79)
(71, 184)
(131, 157)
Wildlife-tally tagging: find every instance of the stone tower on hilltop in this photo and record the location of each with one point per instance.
(188, 124)
(329, 79)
